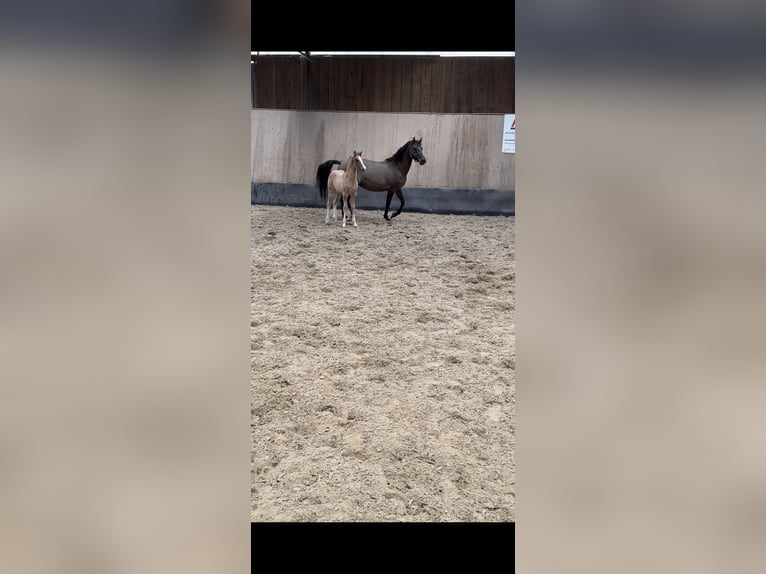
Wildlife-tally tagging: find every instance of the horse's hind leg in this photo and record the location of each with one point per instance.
(343, 200)
(327, 217)
(401, 203)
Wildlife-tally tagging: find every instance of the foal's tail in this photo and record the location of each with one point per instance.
(323, 173)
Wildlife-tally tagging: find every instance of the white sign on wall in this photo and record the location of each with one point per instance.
(509, 133)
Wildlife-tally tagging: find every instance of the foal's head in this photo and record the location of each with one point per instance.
(356, 161)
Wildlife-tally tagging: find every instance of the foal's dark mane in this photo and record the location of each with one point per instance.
(400, 152)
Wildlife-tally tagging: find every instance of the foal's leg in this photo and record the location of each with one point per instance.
(401, 203)
(352, 208)
(343, 199)
(327, 217)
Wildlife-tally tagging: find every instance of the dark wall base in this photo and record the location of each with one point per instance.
(424, 200)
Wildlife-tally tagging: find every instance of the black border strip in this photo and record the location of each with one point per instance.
(487, 546)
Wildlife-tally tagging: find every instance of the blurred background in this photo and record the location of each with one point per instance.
(641, 269)
(124, 297)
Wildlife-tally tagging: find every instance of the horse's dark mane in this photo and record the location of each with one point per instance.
(400, 152)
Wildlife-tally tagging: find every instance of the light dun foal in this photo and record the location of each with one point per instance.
(344, 184)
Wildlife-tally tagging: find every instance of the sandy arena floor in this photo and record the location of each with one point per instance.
(382, 367)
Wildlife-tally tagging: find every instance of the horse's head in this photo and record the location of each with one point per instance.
(357, 157)
(416, 151)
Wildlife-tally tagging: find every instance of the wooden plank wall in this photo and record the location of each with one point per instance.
(386, 84)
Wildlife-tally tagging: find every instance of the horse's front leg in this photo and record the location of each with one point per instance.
(389, 195)
(352, 209)
(401, 203)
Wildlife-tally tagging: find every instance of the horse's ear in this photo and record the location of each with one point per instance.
(420, 140)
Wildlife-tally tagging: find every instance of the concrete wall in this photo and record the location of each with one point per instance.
(463, 150)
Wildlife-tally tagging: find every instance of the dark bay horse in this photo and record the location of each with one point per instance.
(389, 175)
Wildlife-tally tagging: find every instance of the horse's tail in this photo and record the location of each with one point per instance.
(323, 173)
